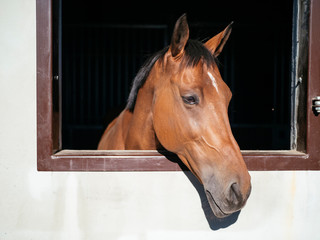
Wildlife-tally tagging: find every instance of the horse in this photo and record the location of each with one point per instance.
(179, 102)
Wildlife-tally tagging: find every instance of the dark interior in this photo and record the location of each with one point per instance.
(105, 43)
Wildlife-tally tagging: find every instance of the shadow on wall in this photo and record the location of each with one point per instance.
(214, 222)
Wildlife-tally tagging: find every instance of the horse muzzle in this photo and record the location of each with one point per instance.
(224, 203)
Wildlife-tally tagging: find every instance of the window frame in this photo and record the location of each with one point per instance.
(51, 158)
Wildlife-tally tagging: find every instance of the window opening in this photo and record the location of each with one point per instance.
(103, 48)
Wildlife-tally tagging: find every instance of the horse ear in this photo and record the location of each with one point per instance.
(180, 36)
(216, 44)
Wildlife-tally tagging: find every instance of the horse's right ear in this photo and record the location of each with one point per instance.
(180, 36)
(216, 44)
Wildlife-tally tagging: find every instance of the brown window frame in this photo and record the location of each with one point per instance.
(51, 158)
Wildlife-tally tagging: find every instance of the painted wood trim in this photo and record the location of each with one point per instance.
(67, 160)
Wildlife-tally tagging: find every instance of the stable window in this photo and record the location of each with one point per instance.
(88, 54)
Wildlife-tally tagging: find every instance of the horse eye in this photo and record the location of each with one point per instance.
(190, 100)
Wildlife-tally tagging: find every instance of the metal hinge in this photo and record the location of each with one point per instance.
(316, 105)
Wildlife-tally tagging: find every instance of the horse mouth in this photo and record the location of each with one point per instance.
(218, 212)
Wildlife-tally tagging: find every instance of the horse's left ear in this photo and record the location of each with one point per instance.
(180, 36)
(216, 44)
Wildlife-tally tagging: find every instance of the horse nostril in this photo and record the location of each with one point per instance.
(235, 196)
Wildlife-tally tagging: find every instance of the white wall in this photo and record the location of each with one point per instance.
(143, 205)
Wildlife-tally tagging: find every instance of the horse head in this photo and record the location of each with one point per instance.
(190, 117)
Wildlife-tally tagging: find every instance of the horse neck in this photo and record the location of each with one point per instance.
(141, 134)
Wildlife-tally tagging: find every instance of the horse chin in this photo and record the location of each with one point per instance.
(215, 207)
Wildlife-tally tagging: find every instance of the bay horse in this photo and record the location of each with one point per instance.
(179, 102)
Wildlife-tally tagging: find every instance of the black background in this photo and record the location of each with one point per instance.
(260, 45)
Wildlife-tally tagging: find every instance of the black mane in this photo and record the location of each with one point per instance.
(194, 52)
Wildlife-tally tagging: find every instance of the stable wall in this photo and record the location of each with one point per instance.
(117, 205)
